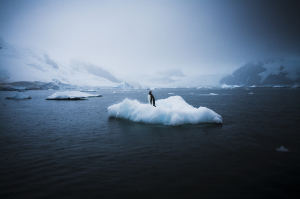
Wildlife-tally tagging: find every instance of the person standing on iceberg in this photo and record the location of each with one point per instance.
(151, 99)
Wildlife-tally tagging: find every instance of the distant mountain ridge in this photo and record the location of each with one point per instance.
(275, 72)
(95, 70)
(24, 65)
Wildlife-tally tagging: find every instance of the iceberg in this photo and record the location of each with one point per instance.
(282, 149)
(70, 95)
(230, 86)
(279, 86)
(91, 90)
(19, 96)
(170, 111)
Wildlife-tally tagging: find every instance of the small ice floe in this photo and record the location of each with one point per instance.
(171, 93)
(126, 90)
(251, 93)
(89, 90)
(192, 93)
(19, 88)
(171, 111)
(282, 149)
(213, 94)
(19, 96)
(229, 86)
(114, 92)
(70, 95)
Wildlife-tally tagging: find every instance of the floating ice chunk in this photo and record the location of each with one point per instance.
(251, 93)
(171, 111)
(253, 86)
(114, 92)
(213, 94)
(70, 95)
(279, 86)
(171, 93)
(20, 88)
(89, 90)
(229, 86)
(282, 149)
(19, 96)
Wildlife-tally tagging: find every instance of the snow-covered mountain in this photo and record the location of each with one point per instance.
(124, 85)
(271, 72)
(22, 64)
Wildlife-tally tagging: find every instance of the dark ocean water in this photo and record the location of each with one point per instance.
(72, 149)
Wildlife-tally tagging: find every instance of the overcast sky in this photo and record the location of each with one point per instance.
(133, 37)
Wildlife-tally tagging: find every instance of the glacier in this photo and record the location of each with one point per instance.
(27, 65)
(170, 111)
(266, 73)
(70, 95)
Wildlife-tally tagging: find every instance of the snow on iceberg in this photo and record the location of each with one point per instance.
(19, 96)
(70, 95)
(171, 111)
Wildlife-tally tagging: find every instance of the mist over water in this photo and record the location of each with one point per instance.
(140, 40)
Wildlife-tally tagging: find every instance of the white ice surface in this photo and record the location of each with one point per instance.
(70, 95)
(282, 149)
(91, 90)
(171, 111)
(229, 86)
(19, 96)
